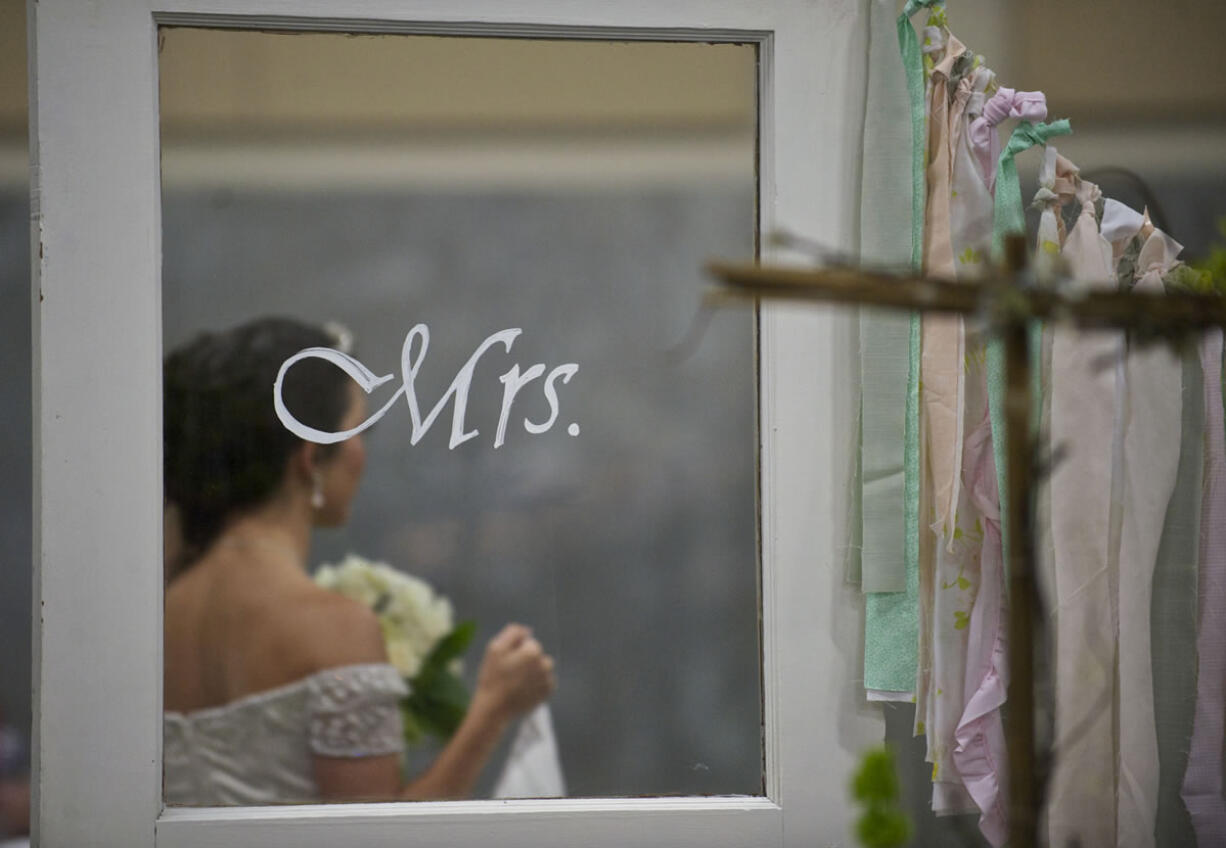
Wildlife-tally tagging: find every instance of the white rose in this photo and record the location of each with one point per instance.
(405, 657)
(412, 617)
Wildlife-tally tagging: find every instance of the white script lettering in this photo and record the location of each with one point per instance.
(412, 353)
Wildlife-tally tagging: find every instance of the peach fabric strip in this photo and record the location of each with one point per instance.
(956, 542)
(1082, 806)
(939, 369)
(935, 353)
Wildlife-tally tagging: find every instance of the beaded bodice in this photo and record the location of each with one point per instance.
(258, 749)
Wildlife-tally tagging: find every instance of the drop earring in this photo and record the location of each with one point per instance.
(317, 492)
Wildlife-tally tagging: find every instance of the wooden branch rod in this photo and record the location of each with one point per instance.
(1089, 309)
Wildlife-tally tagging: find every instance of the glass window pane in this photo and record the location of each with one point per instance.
(512, 232)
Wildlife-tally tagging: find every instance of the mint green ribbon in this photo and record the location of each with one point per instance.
(892, 618)
(1008, 214)
(913, 63)
(1009, 217)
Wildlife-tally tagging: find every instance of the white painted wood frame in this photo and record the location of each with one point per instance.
(97, 433)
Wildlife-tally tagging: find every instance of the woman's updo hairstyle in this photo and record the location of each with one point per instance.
(224, 449)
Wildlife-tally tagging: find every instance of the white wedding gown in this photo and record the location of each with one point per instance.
(258, 749)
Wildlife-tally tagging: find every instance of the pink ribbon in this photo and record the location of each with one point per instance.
(1005, 103)
(980, 750)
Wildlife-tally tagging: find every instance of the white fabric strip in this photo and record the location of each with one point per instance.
(1153, 407)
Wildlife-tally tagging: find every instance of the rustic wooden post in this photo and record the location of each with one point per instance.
(1019, 709)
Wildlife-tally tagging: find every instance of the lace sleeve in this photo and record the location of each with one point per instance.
(354, 711)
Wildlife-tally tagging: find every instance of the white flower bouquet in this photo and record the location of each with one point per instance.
(423, 643)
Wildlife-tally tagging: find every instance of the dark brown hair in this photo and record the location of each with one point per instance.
(224, 449)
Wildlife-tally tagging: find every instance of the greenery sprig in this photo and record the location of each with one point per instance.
(1207, 276)
(883, 824)
(439, 699)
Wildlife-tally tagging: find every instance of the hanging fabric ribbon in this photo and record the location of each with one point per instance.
(885, 233)
(1005, 103)
(942, 353)
(1009, 217)
(1174, 612)
(1082, 807)
(946, 592)
(978, 742)
(936, 419)
(1152, 407)
(1058, 179)
(1202, 785)
(913, 64)
(892, 629)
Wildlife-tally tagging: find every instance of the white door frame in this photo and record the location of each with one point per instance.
(96, 248)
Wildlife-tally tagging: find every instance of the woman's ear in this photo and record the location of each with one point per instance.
(304, 461)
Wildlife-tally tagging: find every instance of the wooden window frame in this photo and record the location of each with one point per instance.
(96, 314)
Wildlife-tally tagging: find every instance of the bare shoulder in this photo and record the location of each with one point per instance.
(334, 630)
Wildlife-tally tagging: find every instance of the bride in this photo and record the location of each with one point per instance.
(278, 691)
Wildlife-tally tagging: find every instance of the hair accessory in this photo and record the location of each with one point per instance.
(317, 492)
(342, 337)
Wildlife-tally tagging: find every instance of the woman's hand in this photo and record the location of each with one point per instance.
(515, 675)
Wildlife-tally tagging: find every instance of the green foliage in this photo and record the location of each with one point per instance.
(876, 780)
(875, 787)
(1214, 265)
(1187, 279)
(881, 829)
(439, 699)
(1207, 276)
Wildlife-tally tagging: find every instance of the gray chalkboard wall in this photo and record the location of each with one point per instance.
(630, 548)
